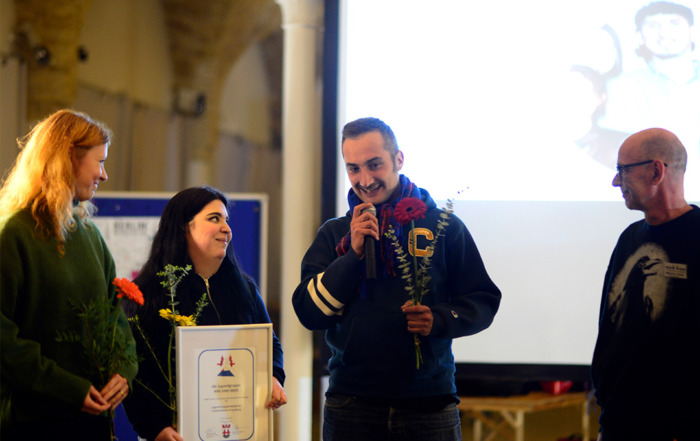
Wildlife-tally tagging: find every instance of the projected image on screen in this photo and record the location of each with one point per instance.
(521, 107)
(523, 100)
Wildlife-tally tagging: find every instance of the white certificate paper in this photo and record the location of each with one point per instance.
(226, 393)
(224, 381)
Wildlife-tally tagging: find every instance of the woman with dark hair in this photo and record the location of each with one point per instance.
(52, 257)
(194, 231)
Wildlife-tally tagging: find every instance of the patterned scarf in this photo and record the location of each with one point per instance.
(407, 189)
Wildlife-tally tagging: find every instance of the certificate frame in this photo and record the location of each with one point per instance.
(224, 381)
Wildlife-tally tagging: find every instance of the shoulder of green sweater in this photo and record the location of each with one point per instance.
(21, 219)
(18, 231)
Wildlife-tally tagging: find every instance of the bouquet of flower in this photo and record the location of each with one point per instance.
(172, 276)
(104, 345)
(408, 210)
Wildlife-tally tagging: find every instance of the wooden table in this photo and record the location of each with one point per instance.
(506, 415)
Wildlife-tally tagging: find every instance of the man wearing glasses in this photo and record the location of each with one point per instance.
(645, 361)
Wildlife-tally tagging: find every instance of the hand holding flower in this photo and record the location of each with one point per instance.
(94, 403)
(105, 347)
(419, 318)
(115, 391)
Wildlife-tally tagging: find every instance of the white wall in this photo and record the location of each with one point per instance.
(245, 102)
(128, 50)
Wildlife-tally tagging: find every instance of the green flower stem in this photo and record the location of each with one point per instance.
(112, 434)
(93, 355)
(116, 317)
(417, 286)
(417, 289)
(169, 406)
(173, 281)
(171, 387)
(419, 356)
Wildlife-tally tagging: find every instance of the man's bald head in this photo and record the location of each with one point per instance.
(659, 144)
(651, 165)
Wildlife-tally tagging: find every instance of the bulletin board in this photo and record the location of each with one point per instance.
(128, 221)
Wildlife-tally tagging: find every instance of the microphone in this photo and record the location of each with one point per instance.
(370, 260)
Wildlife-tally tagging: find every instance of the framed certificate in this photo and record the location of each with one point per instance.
(224, 381)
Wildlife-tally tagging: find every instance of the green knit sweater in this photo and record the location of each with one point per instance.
(39, 377)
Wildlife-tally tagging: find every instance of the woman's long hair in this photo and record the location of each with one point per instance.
(43, 177)
(169, 244)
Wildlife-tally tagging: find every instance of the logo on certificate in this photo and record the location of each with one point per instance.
(226, 369)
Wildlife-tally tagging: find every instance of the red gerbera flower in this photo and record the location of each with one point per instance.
(128, 289)
(410, 209)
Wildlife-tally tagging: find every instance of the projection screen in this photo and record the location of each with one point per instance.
(515, 110)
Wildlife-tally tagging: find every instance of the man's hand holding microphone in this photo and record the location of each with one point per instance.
(364, 232)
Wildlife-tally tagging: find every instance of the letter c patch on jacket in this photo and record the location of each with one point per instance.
(420, 252)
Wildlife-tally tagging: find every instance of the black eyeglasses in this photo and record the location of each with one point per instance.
(622, 168)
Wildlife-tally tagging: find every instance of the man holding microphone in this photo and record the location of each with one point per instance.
(376, 390)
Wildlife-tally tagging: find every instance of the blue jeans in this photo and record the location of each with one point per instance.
(351, 419)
